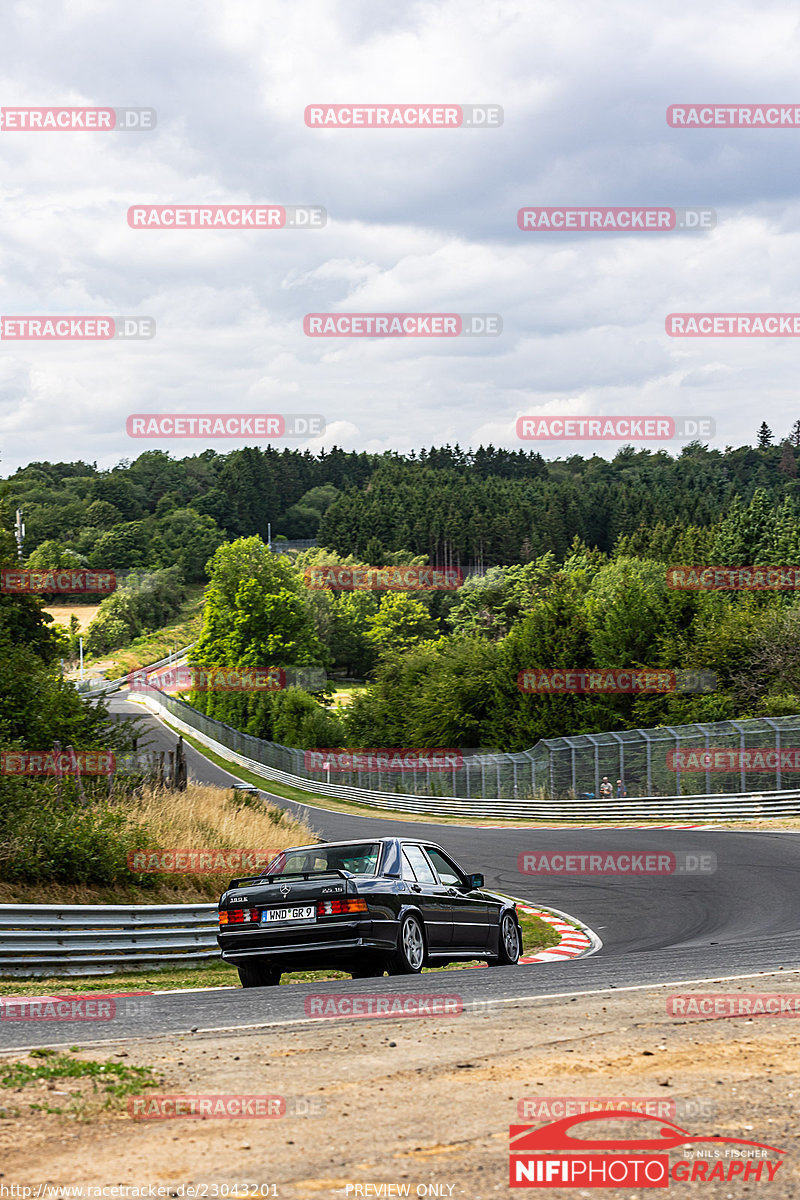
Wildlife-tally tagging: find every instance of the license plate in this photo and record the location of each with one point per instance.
(274, 916)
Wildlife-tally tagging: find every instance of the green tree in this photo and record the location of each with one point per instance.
(788, 463)
(51, 554)
(298, 720)
(402, 621)
(188, 539)
(122, 547)
(348, 640)
(255, 613)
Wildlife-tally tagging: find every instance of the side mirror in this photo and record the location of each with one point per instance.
(475, 881)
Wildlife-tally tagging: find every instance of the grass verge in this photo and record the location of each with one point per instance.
(50, 1081)
(203, 818)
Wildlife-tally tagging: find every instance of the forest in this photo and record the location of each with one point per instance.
(463, 509)
(564, 564)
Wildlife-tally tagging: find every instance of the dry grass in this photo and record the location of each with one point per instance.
(85, 613)
(201, 818)
(208, 816)
(212, 818)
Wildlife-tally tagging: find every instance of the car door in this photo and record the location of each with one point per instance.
(432, 897)
(470, 910)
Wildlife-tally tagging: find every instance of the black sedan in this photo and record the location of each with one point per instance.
(388, 904)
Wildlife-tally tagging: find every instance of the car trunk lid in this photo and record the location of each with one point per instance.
(276, 890)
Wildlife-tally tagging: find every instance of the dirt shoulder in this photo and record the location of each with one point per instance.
(426, 1102)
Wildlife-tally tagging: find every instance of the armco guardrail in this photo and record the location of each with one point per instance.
(712, 758)
(99, 939)
(633, 808)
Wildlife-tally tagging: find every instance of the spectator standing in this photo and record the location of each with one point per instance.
(621, 789)
(606, 790)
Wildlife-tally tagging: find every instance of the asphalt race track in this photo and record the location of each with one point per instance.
(741, 920)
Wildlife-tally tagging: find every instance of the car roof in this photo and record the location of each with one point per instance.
(402, 841)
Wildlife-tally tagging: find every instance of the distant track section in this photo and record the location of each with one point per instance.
(671, 808)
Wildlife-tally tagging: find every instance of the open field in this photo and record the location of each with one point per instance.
(61, 614)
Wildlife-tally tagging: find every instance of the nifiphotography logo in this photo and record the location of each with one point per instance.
(553, 1156)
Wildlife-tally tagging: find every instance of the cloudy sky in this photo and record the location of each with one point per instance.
(418, 221)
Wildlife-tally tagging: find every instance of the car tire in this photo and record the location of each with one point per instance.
(410, 953)
(259, 975)
(509, 942)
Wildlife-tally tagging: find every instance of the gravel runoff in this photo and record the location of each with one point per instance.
(425, 1104)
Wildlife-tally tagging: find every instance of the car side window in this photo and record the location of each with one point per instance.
(421, 867)
(447, 871)
(408, 870)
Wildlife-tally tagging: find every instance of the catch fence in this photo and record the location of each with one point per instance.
(714, 758)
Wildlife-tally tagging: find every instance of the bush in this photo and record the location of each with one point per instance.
(146, 600)
(44, 840)
(299, 721)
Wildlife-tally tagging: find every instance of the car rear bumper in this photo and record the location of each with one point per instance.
(321, 943)
(346, 947)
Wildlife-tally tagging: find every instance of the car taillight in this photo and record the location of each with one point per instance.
(330, 908)
(238, 916)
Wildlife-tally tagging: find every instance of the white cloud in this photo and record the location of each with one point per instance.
(417, 221)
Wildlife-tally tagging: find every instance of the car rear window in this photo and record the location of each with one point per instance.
(360, 858)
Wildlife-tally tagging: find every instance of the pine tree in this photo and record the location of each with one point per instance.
(788, 463)
(765, 436)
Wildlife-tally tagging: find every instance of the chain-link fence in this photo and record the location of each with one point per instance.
(712, 758)
(682, 760)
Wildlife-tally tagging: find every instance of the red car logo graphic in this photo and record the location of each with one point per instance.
(530, 1139)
